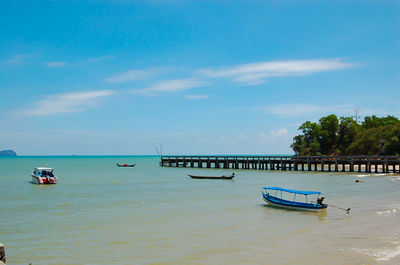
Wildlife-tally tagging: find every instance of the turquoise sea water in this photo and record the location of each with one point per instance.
(101, 214)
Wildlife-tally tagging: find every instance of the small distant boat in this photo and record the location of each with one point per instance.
(212, 177)
(272, 198)
(126, 165)
(44, 175)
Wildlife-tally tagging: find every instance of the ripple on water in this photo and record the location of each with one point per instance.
(159, 215)
(395, 209)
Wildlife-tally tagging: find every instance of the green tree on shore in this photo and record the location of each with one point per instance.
(344, 136)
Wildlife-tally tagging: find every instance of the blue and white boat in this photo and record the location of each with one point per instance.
(280, 197)
(44, 175)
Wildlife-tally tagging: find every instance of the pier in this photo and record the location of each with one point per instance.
(360, 164)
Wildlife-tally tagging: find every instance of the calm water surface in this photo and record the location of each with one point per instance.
(102, 214)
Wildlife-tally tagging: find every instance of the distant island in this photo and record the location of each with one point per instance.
(8, 153)
(346, 136)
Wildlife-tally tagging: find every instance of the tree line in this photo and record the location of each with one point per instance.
(345, 136)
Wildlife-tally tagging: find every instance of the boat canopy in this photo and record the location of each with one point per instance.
(293, 191)
(44, 168)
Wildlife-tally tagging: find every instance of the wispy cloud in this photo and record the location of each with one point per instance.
(279, 132)
(56, 64)
(170, 86)
(59, 64)
(293, 110)
(65, 103)
(271, 136)
(197, 96)
(19, 59)
(99, 59)
(273, 139)
(257, 73)
(234, 138)
(131, 75)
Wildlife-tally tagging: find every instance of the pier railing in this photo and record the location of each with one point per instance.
(365, 164)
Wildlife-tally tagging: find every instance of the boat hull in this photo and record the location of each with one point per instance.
(276, 202)
(125, 165)
(211, 177)
(43, 181)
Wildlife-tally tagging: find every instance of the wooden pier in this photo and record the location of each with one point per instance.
(361, 164)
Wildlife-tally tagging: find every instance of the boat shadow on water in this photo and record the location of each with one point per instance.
(321, 215)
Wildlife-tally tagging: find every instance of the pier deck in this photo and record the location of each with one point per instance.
(364, 164)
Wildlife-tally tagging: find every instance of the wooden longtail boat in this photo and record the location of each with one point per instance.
(212, 177)
(272, 198)
(126, 165)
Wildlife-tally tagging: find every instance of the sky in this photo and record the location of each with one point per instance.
(119, 77)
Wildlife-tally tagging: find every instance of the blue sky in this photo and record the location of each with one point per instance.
(98, 77)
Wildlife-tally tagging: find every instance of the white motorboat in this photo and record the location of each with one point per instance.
(44, 175)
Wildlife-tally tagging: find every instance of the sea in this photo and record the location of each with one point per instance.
(99, 213)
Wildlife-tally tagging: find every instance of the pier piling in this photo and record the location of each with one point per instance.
(365, 164)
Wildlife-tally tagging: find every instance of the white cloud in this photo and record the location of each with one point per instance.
(170, 86)
(257, 73)
(175, 85)
(131, 75)
(273, 134)
(279, 132)
(65, 103)
(197, 96)
(56, 64)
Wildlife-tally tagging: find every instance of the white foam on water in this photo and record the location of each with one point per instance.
(386, 254)
(381, 174)
(382, 254)
(388, 211)
(362, 176)
(394, 210)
